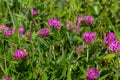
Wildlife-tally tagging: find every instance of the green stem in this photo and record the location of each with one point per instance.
(10, 14)
(87, 53)
(53, 52)
(119, 60)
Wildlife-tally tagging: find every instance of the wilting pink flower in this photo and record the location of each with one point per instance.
(44, 32)
(79, 21)
(109, 39)
(54, 23)
(21, 30)
(88, 37)
(6, 79)
(76, 29)
(89, 19)
(20, 54)
(34, 12)
(79, 49)
(92, 74)
(69, 25)
(13, 30)
(8, 33)
(28, 36)
(3, 28)
(115, 46)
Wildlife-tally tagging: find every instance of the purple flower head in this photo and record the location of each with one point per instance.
(21, 30)
(79, 21)
(34, 12)
(115, 46)
(44, 32)
(50, 23)
(6, 79)
(20, 54)
(92, 74)
(13, 30)
(8, 33)
(109, 39)
(89, 37)
(54, 23)
(89, 19)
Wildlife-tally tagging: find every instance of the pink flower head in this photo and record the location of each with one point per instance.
(92, 74)
(13, 30)
(115, 46)
(8, 33)
(54, 23)
(79, 21)
(20, 54)
(109, 39)
(34, 12)
(6, 79)
(89, 19)
(21, 30)
(88, 37)
(44, 32)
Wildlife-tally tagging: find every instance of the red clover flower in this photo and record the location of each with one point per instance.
(13, 30)
(89, 37)
(115, 46)
(34, 12)
(7, 78)
(109, 39)
(79, 21)
(44, 32)
(54, 23)
(8, 33)
(20, 54)
(92, 74)
(21, 30)
(89, 19)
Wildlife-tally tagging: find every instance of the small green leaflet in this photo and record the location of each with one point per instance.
(109, 56)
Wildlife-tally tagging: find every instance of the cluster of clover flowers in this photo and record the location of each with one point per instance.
(110, 40)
